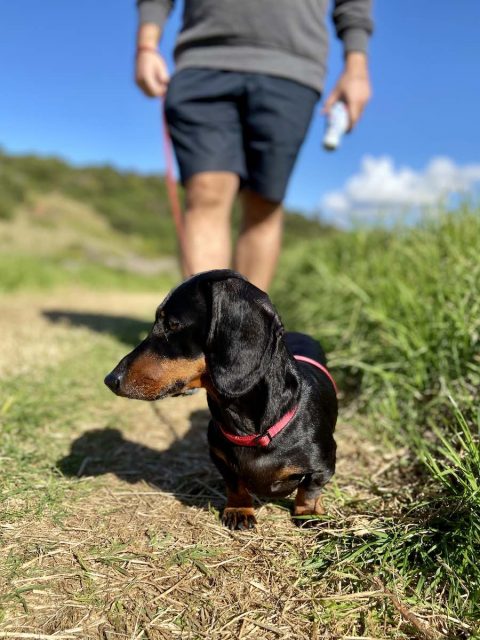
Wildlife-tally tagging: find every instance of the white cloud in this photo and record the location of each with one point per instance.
(381, 186)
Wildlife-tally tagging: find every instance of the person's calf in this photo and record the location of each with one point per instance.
(260, 239)
(207, 242)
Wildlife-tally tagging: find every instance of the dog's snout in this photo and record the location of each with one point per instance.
(113, 381)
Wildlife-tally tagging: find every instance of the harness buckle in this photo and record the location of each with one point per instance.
(260, 437)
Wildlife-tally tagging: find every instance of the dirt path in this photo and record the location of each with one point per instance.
(140, 552)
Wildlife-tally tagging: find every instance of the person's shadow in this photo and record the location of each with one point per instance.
(184, 469)
(128, 330)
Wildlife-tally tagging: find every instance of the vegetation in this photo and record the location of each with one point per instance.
(132, 204)
(397, 310)
(129, 202)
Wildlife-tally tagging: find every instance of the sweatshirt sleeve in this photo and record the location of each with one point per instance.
(155, 11)
(353, 23)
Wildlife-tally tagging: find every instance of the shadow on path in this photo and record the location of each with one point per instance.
(128, 330)
(184, 469)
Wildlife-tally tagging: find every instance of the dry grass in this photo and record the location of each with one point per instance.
(143, 555)
(140, 553)
(29, 337)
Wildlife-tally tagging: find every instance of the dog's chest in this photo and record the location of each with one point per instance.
(265, 477)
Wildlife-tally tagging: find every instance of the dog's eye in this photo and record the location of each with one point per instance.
(172, 325)
(296, 477)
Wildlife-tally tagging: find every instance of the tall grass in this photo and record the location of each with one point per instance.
(399, 312)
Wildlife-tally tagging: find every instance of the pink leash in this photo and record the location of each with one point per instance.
(257, 440)
(172, 192)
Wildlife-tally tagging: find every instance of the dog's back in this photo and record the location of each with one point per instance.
(299, 344)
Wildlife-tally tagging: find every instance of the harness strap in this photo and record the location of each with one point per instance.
(258, 440)
(319, 366)
(263, 440)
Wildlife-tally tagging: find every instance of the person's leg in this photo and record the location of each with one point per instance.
(204, 124)
(275, 121)
(207, 242)
(260, 239)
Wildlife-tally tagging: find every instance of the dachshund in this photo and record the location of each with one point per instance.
(272, 400)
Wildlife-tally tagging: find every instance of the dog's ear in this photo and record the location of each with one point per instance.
(243, 336)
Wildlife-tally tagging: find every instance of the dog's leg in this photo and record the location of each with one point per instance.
(238, 512)
(308, 501)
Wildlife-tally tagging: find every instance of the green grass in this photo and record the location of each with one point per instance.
(399, 313)
(22, 272)
(36, 418)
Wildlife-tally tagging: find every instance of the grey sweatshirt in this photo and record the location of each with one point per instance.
(286, 38)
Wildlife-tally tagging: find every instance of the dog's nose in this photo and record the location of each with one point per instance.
(113, 381)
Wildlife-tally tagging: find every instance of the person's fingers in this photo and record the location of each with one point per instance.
(150, 87)
(156, 88)
(149, 84)
(146, 88)
(355, 110)
(151, 75)
(353, 115)
(140, 78)
(144, 84)
(161, 71)
(162, 79)
(330, 101)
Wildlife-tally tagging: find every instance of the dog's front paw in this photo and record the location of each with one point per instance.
(238, 519)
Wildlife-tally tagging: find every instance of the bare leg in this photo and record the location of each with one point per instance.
(260, 239)
(209, 199)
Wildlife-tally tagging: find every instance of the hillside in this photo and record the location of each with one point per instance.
(130, 204)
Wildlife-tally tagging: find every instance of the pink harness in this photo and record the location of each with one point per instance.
(257, 440)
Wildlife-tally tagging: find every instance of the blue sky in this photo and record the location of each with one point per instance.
(67, 89)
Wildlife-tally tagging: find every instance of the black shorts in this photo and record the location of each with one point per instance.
(250, 124)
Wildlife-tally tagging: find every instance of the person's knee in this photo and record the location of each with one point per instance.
(210, 191)
(257, 209)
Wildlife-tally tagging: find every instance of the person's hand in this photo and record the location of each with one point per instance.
(151, 73)
(353, 87)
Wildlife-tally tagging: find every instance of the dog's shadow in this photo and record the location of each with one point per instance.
(183, 470)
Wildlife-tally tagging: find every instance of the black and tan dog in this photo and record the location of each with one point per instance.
(273, 414)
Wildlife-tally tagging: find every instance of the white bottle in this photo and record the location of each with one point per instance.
(336, 126)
